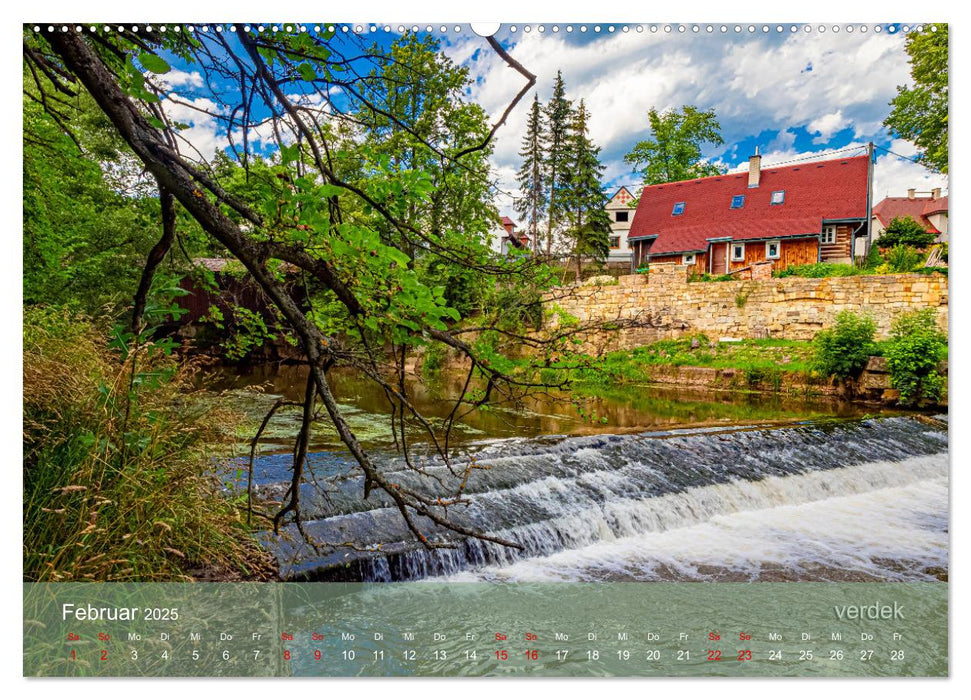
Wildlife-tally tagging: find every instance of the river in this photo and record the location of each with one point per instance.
(639, 484)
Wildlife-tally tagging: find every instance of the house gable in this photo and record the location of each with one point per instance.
(814, 192)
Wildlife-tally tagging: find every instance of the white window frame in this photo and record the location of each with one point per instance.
(732, 255)
(828, 236)
(688, 259)
(782, 198)
(778, 250)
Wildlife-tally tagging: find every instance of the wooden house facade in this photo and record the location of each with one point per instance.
(793, 215)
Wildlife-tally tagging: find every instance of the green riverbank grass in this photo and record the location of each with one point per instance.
(759, 361)
(115, 473)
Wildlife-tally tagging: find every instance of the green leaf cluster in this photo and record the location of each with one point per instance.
(843, 350)
(914, 353)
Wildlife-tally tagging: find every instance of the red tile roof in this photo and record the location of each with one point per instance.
(506, 221)
(918, 208)
(935, 206)
(832, 190)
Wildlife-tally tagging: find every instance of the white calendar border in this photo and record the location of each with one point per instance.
(395, 11)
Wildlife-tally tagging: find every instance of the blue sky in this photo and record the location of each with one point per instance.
(792, 93)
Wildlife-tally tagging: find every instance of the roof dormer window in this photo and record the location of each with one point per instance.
(678, 209)
(778, 197)
(738, 201)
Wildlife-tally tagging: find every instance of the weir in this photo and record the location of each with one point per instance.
(560, 497)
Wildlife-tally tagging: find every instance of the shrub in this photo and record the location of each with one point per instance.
(914, 353)
(817, 270)
(844, 349)
(873, 258)
(905, 231)
(902, 258)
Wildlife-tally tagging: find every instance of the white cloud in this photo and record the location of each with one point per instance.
(206, 134)
(893, 176)
(827, 125)
(821, 82)
(176, 78)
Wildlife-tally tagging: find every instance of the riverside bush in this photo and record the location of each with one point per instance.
(914, 353)
(818, 270)
(117, 472)
(844, 349)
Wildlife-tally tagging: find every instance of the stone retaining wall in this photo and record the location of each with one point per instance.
(668, 306)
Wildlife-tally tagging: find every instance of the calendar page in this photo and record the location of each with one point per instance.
(364, 349)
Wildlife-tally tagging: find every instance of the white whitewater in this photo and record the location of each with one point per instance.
(888, 523)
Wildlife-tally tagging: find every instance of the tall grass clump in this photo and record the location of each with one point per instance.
(117, 481)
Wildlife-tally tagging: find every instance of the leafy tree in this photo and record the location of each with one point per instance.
(583, 195)
(914, 352)
(558, 111)
(674, 152)
(905, 231)
(413, 112)
(843, 350)
(375, 180)
(920, 113)
(531, 176)
(73, 214)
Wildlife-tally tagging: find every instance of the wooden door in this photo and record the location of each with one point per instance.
(719, 258)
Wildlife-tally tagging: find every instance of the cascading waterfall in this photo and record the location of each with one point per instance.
(598, 507)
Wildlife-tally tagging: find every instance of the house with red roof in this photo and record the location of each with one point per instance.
(792, 215)
(621, 217)
(930, 212)
(507, 238)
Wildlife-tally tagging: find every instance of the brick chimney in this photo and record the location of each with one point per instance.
(911, 194)
(754, 169)
(936, 193)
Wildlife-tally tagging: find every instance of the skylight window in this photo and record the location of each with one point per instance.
(738, 201)
(778, 197)
(678, 209)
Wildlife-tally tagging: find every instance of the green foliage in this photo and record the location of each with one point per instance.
(558, 112)
(674, 153)
(914, 353)
(532, 173)
(920, 112)
(583, 196)
(901, 258)
(433, 359)
(843, 350)
(761, 362)
(818, 270)
(705, 277)
(905, 231)
(873, 258)
(116, 489)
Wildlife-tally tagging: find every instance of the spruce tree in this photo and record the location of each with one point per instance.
(531, 177)
(583, 196)
(558, 112)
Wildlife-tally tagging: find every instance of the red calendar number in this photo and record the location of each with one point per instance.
(501, 655)
(714, 654)
(744, 654)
